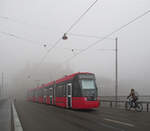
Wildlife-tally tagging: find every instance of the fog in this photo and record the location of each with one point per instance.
(27, 25)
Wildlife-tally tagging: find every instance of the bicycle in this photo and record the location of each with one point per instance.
(137, 106)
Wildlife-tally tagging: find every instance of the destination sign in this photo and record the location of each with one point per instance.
(86, 76)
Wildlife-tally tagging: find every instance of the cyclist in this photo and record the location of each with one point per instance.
(134, 97)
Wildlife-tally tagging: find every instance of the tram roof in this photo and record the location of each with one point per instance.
(67, 77)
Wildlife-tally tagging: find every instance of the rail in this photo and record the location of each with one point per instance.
(147, 103)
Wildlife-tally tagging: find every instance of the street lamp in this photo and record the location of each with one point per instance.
(65, 36)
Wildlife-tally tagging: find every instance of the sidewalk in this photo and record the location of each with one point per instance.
(5, 115)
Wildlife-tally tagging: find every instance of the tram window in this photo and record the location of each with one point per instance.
(88, 84)
(50, 91)
(36, 93)
(33, 93)
(60, 91)
(45, 91)
(40, 92)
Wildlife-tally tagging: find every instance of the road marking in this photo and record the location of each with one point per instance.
(119, 122)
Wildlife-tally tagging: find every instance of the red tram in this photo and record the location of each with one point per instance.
(76, 91)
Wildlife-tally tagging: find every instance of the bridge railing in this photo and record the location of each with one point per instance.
(121, 104)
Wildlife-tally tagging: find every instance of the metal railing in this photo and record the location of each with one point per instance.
(113, 103)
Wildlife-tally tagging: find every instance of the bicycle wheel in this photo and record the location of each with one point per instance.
(139, 107)
(127, 106)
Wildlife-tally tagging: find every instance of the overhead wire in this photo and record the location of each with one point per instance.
(46, 54)
(88, 36)
(21, 38)
(58, 40)
(87, 10)
(107, 36)
(21, 22)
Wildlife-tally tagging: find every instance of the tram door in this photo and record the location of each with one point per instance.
(51, 95)
(69, 95)
(45, 90)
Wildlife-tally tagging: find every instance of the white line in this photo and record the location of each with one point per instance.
(17, 124)
(119, 122)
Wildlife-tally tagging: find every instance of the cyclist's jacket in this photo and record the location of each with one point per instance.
(134, 95)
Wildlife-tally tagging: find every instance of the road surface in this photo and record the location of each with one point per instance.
(5, 115)
(41, 117)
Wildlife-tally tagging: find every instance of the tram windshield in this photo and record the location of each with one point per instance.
(88, 84)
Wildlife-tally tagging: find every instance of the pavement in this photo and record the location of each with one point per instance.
(42, 117)
(5, 115)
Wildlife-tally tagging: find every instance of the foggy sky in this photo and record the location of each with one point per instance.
(45, 21)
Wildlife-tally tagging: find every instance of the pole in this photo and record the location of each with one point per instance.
(0, 90)
(2, 84)
(116, 70)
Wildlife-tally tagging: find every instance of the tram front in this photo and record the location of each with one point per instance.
(87, 90)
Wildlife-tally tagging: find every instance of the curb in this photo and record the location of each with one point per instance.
(17, 123)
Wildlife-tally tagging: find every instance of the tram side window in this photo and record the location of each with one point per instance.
(60, 91)
(50, 92)
(30, 95)
(57, 91)
(42, 92)
(76, 88)
(36, 93)
(45, 91)
(64, 90)
(39, 92)
(33, 93)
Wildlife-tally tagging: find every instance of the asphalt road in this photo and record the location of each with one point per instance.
(41, 117)
(5, 115)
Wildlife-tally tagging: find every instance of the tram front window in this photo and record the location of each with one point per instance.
(88, 84)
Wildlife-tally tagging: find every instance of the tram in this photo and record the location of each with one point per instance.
(76, 91)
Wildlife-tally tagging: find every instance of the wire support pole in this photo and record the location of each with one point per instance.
(116, 70)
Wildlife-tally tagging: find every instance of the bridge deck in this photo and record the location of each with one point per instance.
(5, 115)
(40, 117)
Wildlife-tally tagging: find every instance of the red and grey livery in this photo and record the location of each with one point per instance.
(76, 91)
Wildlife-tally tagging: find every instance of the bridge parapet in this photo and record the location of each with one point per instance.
(121, 104)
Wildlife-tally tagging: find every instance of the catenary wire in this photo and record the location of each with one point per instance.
(58, 41)
(87, 10)
(87, 36)
(107, 36)
(21, 38)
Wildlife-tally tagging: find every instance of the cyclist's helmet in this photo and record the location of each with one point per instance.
(132, 89)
